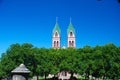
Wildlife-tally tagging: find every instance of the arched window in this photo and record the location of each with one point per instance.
(69, 43)
(56, 34)
(72, 43)
(71, 34)
(57, 43)
(54, 43)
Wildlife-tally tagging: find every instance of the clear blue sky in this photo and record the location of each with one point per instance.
(32, 21)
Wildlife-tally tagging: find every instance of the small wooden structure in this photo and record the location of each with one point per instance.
(20, 73)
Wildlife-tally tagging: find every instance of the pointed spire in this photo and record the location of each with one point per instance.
(70, 20)
(70, 27)
(56, 19)
(56, 28)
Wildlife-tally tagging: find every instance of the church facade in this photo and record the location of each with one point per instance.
(56, 36)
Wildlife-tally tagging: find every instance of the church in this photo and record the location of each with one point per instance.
(56, 36)
(56, 44)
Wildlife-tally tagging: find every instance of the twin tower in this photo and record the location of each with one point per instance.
(56, 36)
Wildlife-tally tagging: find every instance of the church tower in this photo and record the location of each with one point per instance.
(71, 35)
(56, 36)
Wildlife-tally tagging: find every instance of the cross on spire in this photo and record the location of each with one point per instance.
(56, 19)
(70, 20)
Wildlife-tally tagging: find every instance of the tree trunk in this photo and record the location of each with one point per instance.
(45, 76)
(88, 76)
(71, 75)
(37, 77)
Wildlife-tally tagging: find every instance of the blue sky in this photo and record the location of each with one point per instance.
(32, 21)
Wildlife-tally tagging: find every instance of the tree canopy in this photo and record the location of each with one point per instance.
(99, 61)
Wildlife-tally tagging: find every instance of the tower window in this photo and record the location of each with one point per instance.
(54, 43)
(69, 43)
(57, 43)
(56, 34)
(71, 34)
(72, 43)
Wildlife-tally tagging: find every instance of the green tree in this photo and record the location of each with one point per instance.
(44, 64)
(87, 61)
(55, 60)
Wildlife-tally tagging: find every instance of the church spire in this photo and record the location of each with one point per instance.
(56, 35)
(70, 27)
(56, 19)
(70, 20)
(56, 28)
(71, 35)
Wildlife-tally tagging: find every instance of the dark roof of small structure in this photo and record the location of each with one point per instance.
(21, 69)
